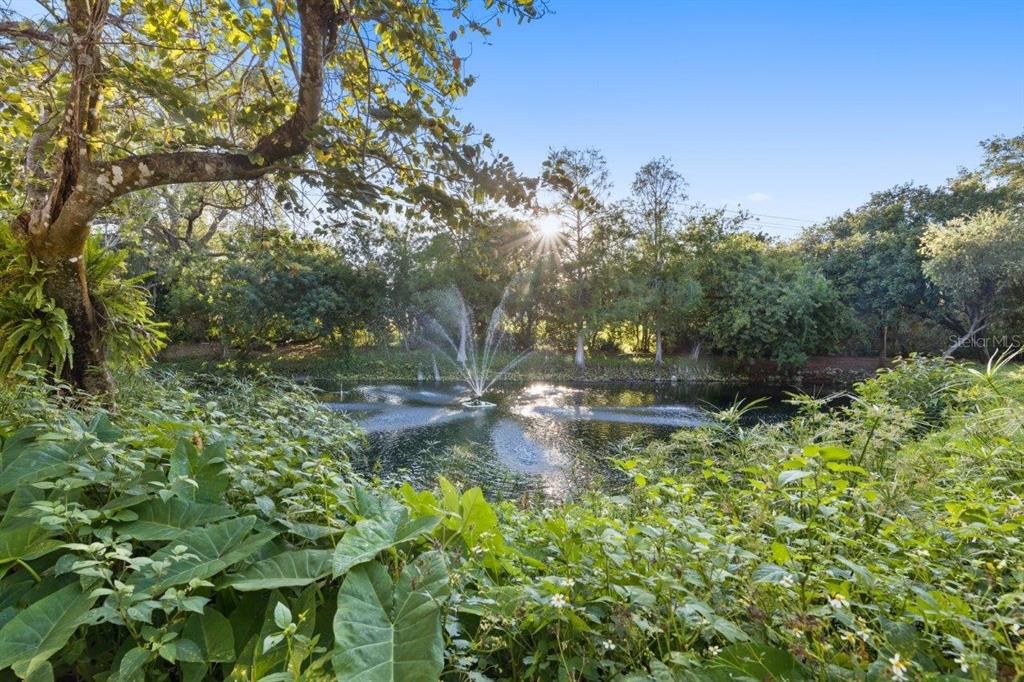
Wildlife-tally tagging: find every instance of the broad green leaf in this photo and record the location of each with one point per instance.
(206, 552)
(387, 632)
(755, 661)
(288, 569)
(211, 631)
(35, 462)
(39, 631)
(769, 573)
(369, 537)
(159, 520)
(26, 542)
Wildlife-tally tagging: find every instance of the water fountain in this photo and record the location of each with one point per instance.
(449, 333)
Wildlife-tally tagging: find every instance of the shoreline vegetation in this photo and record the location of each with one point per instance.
(319, 364)
(212, 528)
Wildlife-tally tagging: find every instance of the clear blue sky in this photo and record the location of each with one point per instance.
(796, 109)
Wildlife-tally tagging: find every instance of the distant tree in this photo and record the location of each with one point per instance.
(765, 302)
(658, 191)
(1004, 159)
(592, 228)
(975, 263)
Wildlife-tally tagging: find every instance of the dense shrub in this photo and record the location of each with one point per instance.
(212, 529)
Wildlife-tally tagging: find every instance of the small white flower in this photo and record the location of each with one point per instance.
(962, 662)
(568, 582)
(1015, 629)
(713, 650)
(897, 667)
(608, 645)
(838, 601)
(787, 582)
(559, 601)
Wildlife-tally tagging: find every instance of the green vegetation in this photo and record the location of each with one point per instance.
(213, 529)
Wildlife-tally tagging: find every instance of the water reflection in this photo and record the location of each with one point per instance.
(540, 437)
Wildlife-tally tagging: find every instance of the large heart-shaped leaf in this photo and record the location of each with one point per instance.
(202, 553)
(385, 632)
(288, 569)
(39, 631)
(211, 632)
(28, 463)
(159, 520)
(369, 537)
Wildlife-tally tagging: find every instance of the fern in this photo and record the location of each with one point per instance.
(34, 330)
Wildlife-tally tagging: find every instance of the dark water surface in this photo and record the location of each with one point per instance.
(555, 438)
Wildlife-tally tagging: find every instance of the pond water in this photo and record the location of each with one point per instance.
(539, 437)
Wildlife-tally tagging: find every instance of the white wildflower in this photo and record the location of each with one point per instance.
(897, 667)
(838, 601)
(962, 662)
(713, 650)
(559, 601)
(608, 645)
(787, 582)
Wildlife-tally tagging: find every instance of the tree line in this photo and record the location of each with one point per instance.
(914, 269)
(269, 173)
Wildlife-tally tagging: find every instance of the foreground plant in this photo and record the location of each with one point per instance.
(214, 531)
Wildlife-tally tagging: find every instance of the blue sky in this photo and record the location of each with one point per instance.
(792, 109)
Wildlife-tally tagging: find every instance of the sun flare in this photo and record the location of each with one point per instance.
(547, 229)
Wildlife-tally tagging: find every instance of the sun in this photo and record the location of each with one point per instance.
(547, 229)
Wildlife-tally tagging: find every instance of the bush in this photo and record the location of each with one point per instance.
(213, 529)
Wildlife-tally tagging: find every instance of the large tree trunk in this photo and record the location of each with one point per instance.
(87, 368)
(657, 348)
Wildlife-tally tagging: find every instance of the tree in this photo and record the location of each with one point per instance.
(1004, 159)
(591, 228)
(975, 263)
(765, 302)
(658, 189)
(121, 97)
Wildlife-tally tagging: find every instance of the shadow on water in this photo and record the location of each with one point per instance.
(547, 438)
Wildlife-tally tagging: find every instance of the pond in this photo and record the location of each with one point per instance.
(539, 437)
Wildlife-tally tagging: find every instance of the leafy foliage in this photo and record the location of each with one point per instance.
(35, 330)
(214, 531)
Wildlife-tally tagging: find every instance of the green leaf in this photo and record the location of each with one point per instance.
(385, 632)
(792, 475)
(369, 537)
(26, 542)
(757, 661)
(22, 465)
(207, 551)
(212, 633)
(288, 569)
(40, 630)
(769, 573)
(159, 520)
(132, 667)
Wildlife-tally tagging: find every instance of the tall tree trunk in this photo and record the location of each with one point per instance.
(885, 341)
(695, 351)
(87, 368)
(581, 361)
(657, 347)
